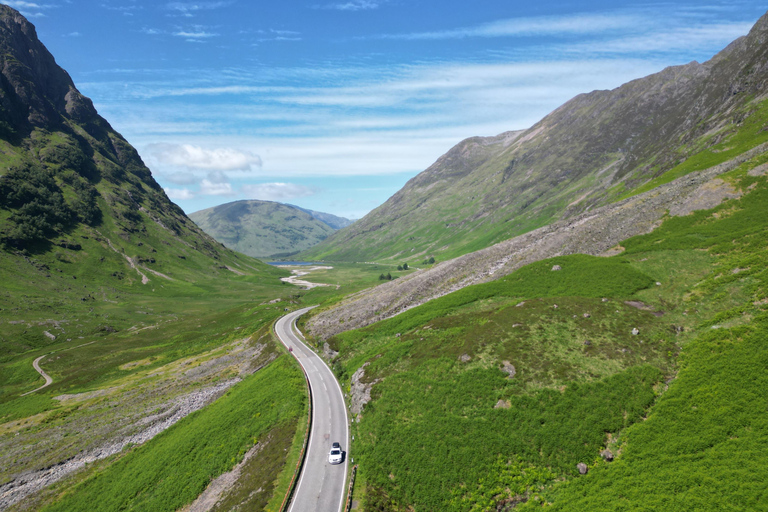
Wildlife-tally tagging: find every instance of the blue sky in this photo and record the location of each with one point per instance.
(334, 104)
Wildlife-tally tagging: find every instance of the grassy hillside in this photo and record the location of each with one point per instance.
(593, 150)
(491, 396)
(262, 229)
(138, 316)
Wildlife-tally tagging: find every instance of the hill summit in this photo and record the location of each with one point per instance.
(266, 229)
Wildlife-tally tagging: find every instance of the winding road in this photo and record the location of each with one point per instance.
(48, 379)
(321, 486)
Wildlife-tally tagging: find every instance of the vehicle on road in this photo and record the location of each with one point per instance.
(335, 456)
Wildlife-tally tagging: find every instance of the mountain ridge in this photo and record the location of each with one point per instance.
(265, 229)
(593, 150)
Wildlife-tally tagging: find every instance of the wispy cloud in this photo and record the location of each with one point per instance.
(125, 10)
(276, 191)
(29, 9)
(277, 35)
(210, 188)
(199, 158)
(666, 41)
(195, 34)
(578, 24)
(179, 194)
(188, 9)
(352, 5)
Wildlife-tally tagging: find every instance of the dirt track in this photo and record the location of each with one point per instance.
(48, 379)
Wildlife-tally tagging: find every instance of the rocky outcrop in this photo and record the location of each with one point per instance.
(360, 392)
(593, 232)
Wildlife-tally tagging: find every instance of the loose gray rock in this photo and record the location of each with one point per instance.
(509, 369)
(635, 331)
(582, 468)
(556, 268)
(328, 352)
(360, 392)
(502, 404)
(464, 358)
(607, 455)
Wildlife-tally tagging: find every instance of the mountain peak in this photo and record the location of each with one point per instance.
(35, 91)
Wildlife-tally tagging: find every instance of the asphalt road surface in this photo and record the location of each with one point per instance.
(321, 486)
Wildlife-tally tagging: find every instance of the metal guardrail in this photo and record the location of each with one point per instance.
(348, 505)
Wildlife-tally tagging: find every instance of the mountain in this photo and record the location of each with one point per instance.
(266, 229)
(334, 221)
(133, 317)
(594, 150)
(77, 200)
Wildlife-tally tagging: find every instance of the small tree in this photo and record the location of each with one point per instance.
(431, 260)
(389, 276)
(382, 277)
(399, 267)
(405, 266)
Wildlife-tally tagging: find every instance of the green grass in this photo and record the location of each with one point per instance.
(702, 447)
(431, 442)
(172, 469)
(431, 438)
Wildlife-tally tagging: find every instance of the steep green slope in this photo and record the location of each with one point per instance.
(489, 397)
(81, 218)
(138, 316)
(262, 229)
(702, 446)
(591, 151)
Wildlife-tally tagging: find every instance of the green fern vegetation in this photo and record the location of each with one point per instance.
(172, 469)
(702, 447)
(490, 396)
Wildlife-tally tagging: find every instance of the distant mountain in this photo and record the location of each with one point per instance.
(594, 150)
(74, 192)
(266, 229)
(332, 220)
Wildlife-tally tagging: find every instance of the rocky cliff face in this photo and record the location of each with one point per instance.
(66, 176)
(593, 150)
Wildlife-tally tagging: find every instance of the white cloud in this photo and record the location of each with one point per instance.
(29, 9)
(198, 158)
(195, 34)
(578, 24)
(209, 188)
(353, 5)
(667, 41)
(179, 194)
(26, 5)
(126, 10)
(276, 191)
(188, 9)
(181, 178)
